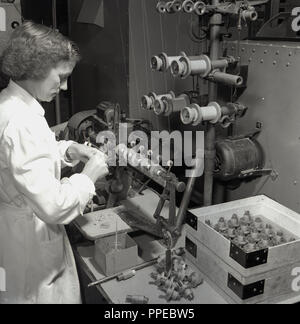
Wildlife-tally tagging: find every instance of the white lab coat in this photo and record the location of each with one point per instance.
(35, 204)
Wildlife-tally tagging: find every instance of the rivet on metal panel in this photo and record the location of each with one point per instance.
(250, 60)
(243, 49)
(277, 52)
(259, 125)
(261, 61)
(274, 62)
(288, 64)
(265, 51)
(253, 50)
(290, 53)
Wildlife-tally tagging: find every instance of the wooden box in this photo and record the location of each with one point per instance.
(113, 259)
(245, 277)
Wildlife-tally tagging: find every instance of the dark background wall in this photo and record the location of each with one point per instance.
(41, 12)
(103, 73)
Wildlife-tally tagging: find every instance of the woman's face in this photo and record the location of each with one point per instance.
(57, 79)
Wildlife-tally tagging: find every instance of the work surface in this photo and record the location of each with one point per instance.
(115, 292)
(142, 284)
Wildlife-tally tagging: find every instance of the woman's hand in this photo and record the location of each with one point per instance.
(96, 167)
(83, 153)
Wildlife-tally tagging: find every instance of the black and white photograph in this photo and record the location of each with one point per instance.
(149, 155)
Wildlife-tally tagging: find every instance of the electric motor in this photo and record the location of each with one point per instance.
(238, 158)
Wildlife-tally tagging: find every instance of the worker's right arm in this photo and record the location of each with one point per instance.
(31, 161)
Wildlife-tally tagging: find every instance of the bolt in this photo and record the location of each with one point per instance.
(259, 125)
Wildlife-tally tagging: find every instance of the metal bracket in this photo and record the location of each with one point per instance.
(191, 247)
(248, 260)
(191, 220)
(245, 291)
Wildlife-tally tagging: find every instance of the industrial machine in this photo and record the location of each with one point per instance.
(230, 157)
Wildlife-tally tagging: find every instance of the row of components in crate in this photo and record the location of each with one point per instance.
(250, 233)
(179, 282)
(200, 8)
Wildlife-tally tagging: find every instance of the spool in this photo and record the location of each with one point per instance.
(200, 8)
(186, 66)
(161, 7)
(188, 6)
(194, 114)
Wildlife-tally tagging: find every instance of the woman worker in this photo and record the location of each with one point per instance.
(34, 202)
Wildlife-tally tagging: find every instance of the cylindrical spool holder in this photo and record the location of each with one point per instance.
(162, 62)
(229, 79)
(195, 115)
(161, 106)
(177, 104)
(147, 102)
(188, 6)
(196, 65)
(199, 8)
(220, 64)
(161, 7)
(173, 6)
(250, 15)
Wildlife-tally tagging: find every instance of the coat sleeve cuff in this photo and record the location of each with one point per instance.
(85, 188)
(63, 147)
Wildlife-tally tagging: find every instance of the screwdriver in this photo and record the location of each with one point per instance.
(124, 275)
(121, 276)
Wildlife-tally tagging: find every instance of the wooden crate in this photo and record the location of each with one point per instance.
(265, 287)
(247, 264)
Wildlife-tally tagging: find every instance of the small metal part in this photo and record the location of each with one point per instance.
(188, 294)
(172, 294)
(251, 246)
(126, 275)
(195, 279)
(137, 299)
(231, 232)
(255, 235)
(235, 221)
(258, 223)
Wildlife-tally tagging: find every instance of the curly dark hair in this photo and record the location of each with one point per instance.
(34, 49)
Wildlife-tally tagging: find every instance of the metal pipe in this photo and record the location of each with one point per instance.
(210, 135)
(196, 173)
(57, 98)
(229, 79)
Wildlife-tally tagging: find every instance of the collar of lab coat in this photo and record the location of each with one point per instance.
(25, 96)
